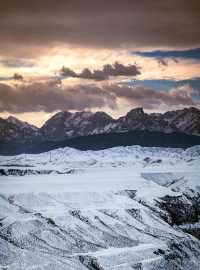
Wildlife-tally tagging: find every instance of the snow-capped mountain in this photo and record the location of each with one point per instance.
(186, 120)
(14, 130)
(19, 136)
(66, 125)
(126, 208)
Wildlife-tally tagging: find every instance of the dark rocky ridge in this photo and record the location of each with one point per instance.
(21, 136)
(65, 125)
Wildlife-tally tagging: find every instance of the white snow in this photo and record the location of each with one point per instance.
(105, 210)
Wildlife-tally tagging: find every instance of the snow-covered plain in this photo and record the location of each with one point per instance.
(121, 208)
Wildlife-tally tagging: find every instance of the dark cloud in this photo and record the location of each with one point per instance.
(16, 62)
(187, 54)
(108, 70)
(52, 96)
(4, 78)
(27, 25)
(175, 60)
(17, 77)
(151, 99)
(165, 84)
(162, 62)
(67, 72)
(97, 75)
(120, 70)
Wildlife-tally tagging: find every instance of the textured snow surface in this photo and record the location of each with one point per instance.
(105, 214)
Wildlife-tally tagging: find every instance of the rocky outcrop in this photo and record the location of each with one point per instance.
(65, 125)
(14, 130)
(19, 137)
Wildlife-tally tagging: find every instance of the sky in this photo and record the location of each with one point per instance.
(98, 55)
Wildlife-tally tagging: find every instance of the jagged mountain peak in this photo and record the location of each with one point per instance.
(189, 110)
(66, 125)
(12, 119)
(21, 124)
(136, 112)
(192, 110)
(59, 115)
(15, 130)
(101, 113)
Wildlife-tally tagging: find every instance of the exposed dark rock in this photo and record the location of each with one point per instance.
(23, 172)
(141, 128)
(90, 262)
(181, 209)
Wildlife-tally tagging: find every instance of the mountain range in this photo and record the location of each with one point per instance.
(65, 126)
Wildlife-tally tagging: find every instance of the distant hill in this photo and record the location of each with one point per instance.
(103, 141)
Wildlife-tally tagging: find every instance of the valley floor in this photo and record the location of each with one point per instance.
(122, 208)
